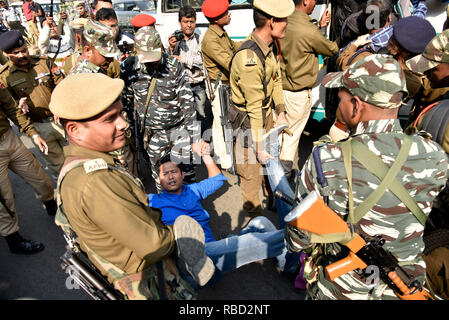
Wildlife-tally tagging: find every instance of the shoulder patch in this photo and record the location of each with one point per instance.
(251, 59)
(95, 165)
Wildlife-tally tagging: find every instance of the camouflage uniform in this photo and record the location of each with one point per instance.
(170, 121)
(101, 37)
(376, 80)
(436, 235)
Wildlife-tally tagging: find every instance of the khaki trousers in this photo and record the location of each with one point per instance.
(298, 106)
(251, 172)
(54, 135)
(34, 31)
(16, 157)
(219, 146)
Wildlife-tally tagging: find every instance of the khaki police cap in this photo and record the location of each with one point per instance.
(275, 8)
(78, 23)
(84, 95)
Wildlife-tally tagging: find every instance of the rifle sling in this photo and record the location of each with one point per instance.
(387, 176)
(147, 102)
(217, 82)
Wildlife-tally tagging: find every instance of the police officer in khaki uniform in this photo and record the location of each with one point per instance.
(34, 78)
(299, 66)
(253, 100)
(218, 49)
(16, 157)
(105, 205)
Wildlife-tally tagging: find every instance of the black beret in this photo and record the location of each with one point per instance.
(11, 39)
(413, 33)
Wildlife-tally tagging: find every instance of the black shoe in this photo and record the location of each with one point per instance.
(51, 207)
(17, 244)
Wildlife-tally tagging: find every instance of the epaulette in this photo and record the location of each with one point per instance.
(95, 165)
(251, 59)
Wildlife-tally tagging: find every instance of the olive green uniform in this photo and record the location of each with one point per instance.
(36, 82)
(16, 157)
(110, 214)
(248, 96)
(218, 50)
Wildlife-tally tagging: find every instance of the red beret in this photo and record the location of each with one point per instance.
(142, 20)
(214, 8)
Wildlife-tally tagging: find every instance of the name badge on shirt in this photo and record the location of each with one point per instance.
(95, 165)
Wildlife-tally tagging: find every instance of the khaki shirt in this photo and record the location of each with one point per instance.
(218, 50)
(23, 83)
(9, 110)
(246, 84)
(302, 44)
(110, 215)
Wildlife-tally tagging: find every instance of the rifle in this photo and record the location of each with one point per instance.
(228, 136)
(141, 163)
(325, 226)
(87, 276)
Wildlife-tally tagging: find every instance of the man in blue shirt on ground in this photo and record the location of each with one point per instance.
(259, 240)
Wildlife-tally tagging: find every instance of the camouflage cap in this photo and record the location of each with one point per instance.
(377, 79)
(102, 38)
(148, 44)
(436, 52)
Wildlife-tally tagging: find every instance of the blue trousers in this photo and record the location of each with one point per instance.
(259, 240)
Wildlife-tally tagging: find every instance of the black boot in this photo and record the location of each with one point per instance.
(51, 207)
(17, 244)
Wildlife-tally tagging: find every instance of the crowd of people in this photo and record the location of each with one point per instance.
(111, 109)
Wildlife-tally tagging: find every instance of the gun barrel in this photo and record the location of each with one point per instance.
(88, 279)
(279, 194)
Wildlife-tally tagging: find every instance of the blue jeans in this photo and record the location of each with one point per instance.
(278, 181)
(259, 240)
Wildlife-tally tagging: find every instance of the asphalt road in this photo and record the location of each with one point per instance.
(41, 277)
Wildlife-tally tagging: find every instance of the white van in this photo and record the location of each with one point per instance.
(240, 27)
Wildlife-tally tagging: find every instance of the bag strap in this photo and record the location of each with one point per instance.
(387, 176)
